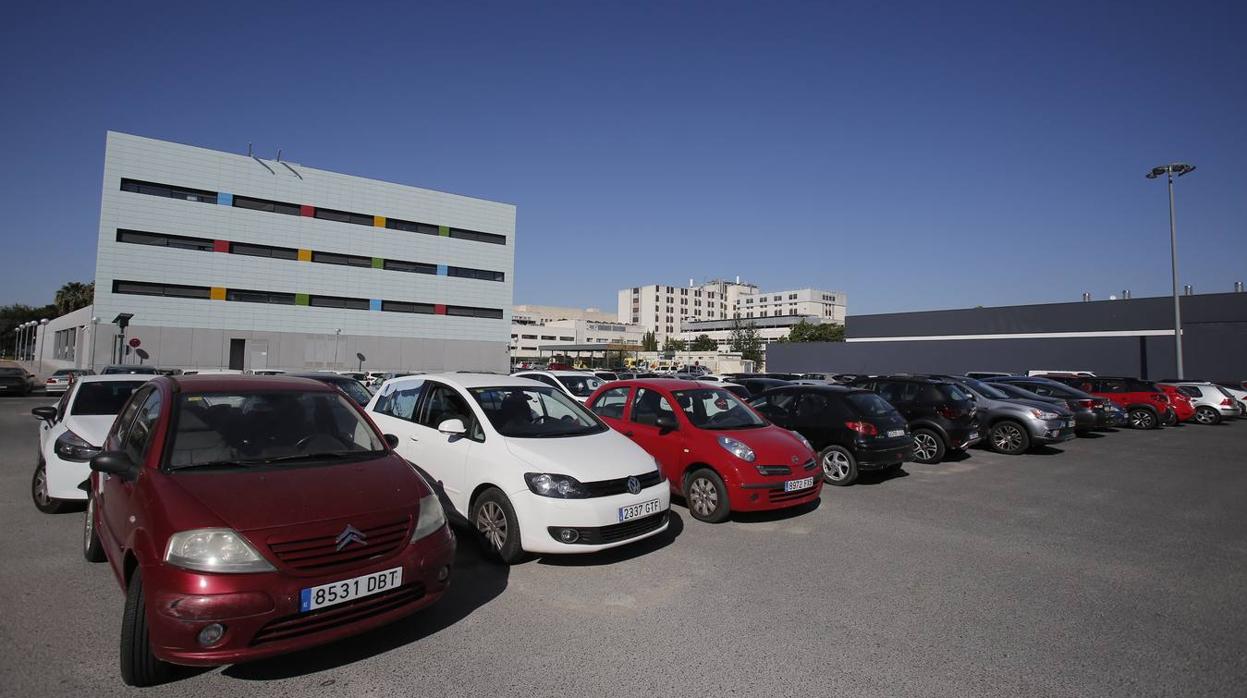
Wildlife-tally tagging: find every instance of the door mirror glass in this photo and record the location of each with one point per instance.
(46, 413)
(665, 423)
(452, 426)
(114, 463)
(391, 440)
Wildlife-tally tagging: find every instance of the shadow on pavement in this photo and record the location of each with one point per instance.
(675, 526)
(876, 477)
(776, 514)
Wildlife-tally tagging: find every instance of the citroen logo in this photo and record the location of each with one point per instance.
(634, 485)
(349, 535)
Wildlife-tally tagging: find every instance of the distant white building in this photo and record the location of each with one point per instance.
(538, 330)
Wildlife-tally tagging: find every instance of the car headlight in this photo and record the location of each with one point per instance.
(804, 440)
(736, 448)
(70, 446)
(557, 486)
(1040, 414)
(431, 518)
(214, 550)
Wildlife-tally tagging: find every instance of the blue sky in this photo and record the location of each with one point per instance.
(930, 155)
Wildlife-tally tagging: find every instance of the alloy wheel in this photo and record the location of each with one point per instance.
(1205, 416)
(41, 486)
(1142, 419)
(703, 496)
(88, 527)
(491, 521)
(925, 446)
(836, 466)
(1007, 438)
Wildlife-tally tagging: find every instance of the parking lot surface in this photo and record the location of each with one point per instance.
(1112, 565)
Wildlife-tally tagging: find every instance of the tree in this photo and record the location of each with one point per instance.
(649, 342)
(673, 344)
(74, 295)
(809, 332)
(745, 341)
(703, 343)
(17, 314)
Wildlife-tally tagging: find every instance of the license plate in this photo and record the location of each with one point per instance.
(794, 485)
(1069, 422)
(895, 433)
(349, 589)
(636, 511)
(973, 435)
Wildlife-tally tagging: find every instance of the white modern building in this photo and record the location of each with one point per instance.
(538, 331)
(224, 260)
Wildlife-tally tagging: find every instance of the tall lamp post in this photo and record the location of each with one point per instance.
(43, 342)
(95, 327)
(1179, 169)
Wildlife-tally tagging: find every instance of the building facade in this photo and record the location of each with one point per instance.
(536, 331)
(769, 329)
(227, 260)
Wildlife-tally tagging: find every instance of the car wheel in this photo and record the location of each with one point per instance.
(1207, 415)
(494, 519)
(1143, 418)
(839, 466)
(706, 496)
(139, 667)
(92, 549)
(1009, 438)
(928, 446)
(1170, 418)
(39, 491)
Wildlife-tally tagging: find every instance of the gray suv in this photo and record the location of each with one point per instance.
(1012, 426)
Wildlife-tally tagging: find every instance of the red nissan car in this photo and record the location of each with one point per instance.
(715, 450)
(248, 516)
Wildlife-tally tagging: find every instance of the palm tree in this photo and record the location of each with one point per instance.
(74, 295)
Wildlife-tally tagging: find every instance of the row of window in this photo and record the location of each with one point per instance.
(143, 288)
(182, 242)
(251, 203)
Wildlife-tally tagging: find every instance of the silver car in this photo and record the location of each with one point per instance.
(1212, 403)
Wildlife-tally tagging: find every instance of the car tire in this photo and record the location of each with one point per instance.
(839, 466)
(39, 492)
(1144, 418)
(928, 446)
(92, 549)
(139, 667)
(495, 522)
(706, 496)
(1207, 415)
(1009, 437)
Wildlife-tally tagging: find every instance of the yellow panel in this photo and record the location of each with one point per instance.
(378, 221)
(217, 294)
(305, 255)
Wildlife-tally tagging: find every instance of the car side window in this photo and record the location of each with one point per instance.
(775, 404)
(648, 405)
(63, 404)
(810, 409)
(401, 402)
(611, 403)
(441, 402)
(138, 437)
(126, 418)
(544, 379)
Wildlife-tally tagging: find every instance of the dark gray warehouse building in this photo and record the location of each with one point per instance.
(1132, 337)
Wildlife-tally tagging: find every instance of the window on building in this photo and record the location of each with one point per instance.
(168, 191)
(349, 260)
(411, 267)
(266, 205)
(528, 336)
(250, 250)
(567, 339)
(411, 227)
(476, 236)
(338, 302)
(792, 296)
(143, 288)
(329, 214)
(405, 307)
(138, 237)
(245, 296)
(482, 274)
(468, 311)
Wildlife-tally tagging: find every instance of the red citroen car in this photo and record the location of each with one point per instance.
(248, 516)
(1147, 405)
(1183, 410)
(716, 452)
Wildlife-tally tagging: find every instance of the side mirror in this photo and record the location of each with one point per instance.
(453, 427)
(391, 440)
(46, 413)
(665, 423)
(114, 463)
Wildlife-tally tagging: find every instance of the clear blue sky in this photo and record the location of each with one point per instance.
(932, 155)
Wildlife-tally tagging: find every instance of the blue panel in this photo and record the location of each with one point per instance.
(441, 270)
(224, 199)
(374, 304)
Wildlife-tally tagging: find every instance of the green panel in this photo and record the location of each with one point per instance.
(301, 299)
(378, 263)
(443, 230)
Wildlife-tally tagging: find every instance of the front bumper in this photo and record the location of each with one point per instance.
(769, 494)
(594, 518)
(260, 612)
(1051, 431)
(64, 476)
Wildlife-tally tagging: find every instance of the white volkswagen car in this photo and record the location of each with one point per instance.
(577, 384)
(530, 468)
(71, 432)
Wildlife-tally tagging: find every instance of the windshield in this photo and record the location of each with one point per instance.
(953, 392)
(580, 386)
(985, 390)
(535, 412)
(715, 408)
(137, 370)
(266, 428)
(871, 405)
(105, 397)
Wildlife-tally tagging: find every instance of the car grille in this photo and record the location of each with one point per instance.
(606, 488)
(301, 624)
(321, 552)
(601, 535)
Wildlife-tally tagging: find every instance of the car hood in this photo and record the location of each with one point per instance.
(605, 456)
(248, 500)
(772, 445)
(92, 428)
(1063, 410)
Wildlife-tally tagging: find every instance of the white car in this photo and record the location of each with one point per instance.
(59, 382)
(71, 432)
(529, 468)
(577, 384)
(1212, 403)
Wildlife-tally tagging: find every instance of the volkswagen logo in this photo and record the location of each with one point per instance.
(634, 485)
(349, 535)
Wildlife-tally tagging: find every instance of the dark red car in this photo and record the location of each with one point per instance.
(716, 451)
(248, 516)
(1147, 406)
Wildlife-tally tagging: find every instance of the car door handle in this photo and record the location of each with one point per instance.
(413, 438)
(629, 434)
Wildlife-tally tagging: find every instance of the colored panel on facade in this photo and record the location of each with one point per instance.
(216, 294)
(443, 230)
(441, 270)
(305, 255)
(301, 299)
(307, 211)
(378, 221)
(224, 199)
(220, 245)
(439, 309)
(374, 304)
(378, 263)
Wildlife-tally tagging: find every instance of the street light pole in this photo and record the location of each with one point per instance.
(43, 343)
(1178, 168)
(337, 335)
(95, 327)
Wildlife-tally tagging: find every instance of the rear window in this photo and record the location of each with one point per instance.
(10, 371)
(105, 397)
(870, 405)
(943, 392)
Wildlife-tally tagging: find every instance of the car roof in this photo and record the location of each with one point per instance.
(226, 383)
(665, 383)
(472, 380)
(325, 377)
(817, 388)
(558, 373)
(115, 378)
(905, 377)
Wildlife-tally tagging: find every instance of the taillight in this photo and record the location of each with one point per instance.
(948, 412)
(50, 380)
(1225, 402)
(1086, 404)
(863, 428)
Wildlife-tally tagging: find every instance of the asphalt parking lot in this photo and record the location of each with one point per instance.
(1114, 565)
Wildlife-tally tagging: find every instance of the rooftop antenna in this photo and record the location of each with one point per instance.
(250, 154)
(279, 155)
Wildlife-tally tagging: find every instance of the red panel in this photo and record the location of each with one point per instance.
(220, 245)
(306, 210)
(439, 309)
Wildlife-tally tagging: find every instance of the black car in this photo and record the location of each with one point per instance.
(758, 385)
(14, 380)
(941, 416)
(1089, 410)
(353, 388)
(852, 429)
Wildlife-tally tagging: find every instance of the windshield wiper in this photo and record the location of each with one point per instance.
(324, 455)
(216, 464)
